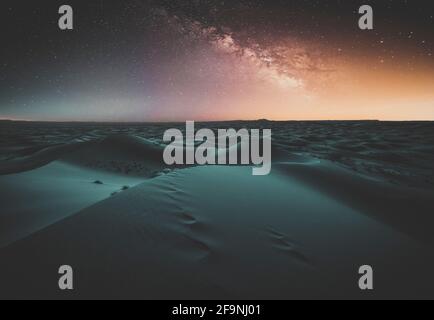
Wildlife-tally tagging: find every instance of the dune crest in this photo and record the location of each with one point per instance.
(119, 153)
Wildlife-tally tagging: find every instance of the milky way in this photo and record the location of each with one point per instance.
(216, 60)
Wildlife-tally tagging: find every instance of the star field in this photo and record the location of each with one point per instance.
(149, 60)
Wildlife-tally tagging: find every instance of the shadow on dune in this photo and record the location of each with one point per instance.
(407, 209)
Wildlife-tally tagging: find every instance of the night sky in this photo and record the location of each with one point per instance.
(149, 60)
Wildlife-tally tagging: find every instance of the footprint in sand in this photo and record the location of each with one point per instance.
(186, 218)
(193, 232)
(197, 247)
(283, 243)
(192, 223)
(124, 188)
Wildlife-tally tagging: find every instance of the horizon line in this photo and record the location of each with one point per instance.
(206, 121)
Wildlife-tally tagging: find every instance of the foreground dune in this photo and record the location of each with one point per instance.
(217, 232)
(36, 199)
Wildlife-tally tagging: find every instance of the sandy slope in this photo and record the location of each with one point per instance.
(210, 232)
(407, 209)
(116, 153)
(36, 199)
(45, 185)
(218, 232)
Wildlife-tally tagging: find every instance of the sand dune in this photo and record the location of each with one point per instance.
(402, 207)
(190, 234)
(119, 153)
(36, 199)
(71, 177)
(99, 198)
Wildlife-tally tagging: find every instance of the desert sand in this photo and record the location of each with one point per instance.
(130, 227)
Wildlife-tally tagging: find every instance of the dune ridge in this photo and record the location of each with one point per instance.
(114, 147)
